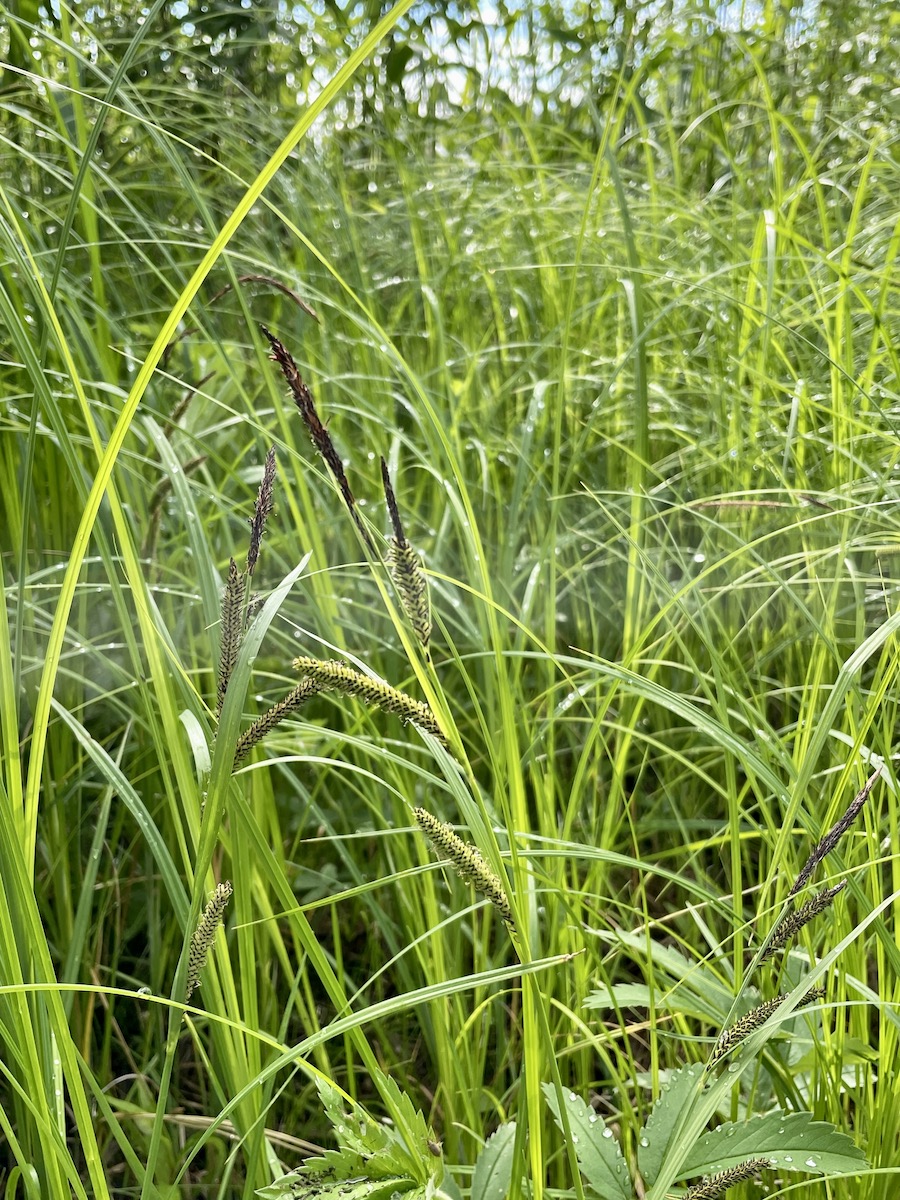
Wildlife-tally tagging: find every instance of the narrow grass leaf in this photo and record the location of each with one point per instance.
(123, 787)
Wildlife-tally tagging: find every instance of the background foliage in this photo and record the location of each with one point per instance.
(614, 289)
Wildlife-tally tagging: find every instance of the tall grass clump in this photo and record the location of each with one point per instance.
(505, 644)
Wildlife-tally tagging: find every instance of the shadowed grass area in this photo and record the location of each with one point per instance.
(637, 394)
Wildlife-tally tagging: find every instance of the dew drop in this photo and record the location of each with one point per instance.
(811, 1162)
(607, 1133)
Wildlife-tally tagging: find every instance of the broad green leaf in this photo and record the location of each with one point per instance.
(493, 1168)
(199, 745)
(657, 1134)
(793, 1142)
(682, 984)
(596, 1149)
(621, 995)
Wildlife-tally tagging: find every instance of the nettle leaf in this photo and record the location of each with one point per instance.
(411, 1115)
(298, 1186)
(596, 1149)
(395, 1155)
(493, 1167)
(356, 1132)
(656, 1136)
(372, 1159)
(791, 1141)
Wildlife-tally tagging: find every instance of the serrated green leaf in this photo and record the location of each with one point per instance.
(331, 1100)
(299, 1186)
(596, 1149)
(412, 1116)
(372, 1150)
(404, 1149)
(656, 1135)
(339, 1164)
(493, 1167)
(356, 1132)
(394, 1159)
(792, 1141)
(447, 1189)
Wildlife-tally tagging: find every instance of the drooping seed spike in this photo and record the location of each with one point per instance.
(205, 933)
(337, 676)
(406, 569)
(469, 862)
(412, 588)
(264, 724)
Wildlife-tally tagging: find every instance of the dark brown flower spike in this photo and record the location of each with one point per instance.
(264, 503)
(232, 628)
(320, 436)
(834, 835)
(391, 501)
(794, 921)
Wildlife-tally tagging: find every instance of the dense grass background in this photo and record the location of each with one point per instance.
(631, 352)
